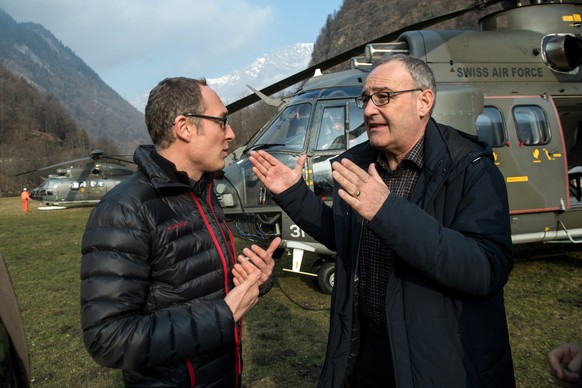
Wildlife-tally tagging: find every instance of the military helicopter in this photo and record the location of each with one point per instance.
(82, 185)
(515, 84)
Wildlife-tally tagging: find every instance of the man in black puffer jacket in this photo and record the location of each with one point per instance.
(420, 224)
(162, 294)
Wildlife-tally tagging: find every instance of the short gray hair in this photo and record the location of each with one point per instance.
(419, 70)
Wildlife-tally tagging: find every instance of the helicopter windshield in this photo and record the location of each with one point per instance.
(289, 129)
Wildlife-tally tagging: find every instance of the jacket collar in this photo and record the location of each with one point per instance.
(439, 141)
(452, 149)
(163, 174)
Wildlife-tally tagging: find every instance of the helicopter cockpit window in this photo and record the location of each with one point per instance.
(531, 125)
(332, 135)
(490, 127)
(289, 128)
(358, 132)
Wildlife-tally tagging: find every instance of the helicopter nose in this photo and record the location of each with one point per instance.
(228, 184)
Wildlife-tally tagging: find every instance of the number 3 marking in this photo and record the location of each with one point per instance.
(296, 231)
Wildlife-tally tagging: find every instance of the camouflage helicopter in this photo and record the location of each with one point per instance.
(81, 185)
(515, 84)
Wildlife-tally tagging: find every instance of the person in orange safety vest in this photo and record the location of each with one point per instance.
(25, 196)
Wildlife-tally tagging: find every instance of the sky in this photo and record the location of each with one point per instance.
(134, 44)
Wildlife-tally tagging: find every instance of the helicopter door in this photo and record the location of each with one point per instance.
(531, 158)
(96, 189)
(78, 191)
(339, 126)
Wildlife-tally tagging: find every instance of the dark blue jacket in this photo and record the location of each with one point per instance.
(157, 259)
(444, 301)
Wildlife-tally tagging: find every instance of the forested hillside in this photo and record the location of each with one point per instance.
(360, 21)
(30, 51)
(35, 129)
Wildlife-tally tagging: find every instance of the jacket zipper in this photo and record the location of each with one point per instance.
(232, 253)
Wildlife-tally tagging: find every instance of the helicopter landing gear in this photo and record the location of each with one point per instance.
(325, 273)
(326, 277)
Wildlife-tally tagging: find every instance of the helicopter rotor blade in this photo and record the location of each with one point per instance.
(118, 159)
(340, 58)
(95, 155)
(53, 166)
(25, 172)
(64, 163)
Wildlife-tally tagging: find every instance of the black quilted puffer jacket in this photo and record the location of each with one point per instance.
(156, 266)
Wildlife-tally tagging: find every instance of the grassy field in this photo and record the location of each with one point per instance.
(285, 335)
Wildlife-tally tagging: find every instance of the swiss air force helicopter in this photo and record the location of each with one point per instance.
(515, 84)
(81, 185)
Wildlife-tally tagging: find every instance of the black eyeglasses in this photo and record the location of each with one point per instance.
(221, 120)
(381, 98)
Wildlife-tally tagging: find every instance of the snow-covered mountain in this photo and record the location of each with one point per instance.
(265, 70)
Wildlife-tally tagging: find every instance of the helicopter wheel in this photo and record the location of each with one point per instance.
(326, 277)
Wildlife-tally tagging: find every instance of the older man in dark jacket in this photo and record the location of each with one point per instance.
(420, 224)
(158, 296)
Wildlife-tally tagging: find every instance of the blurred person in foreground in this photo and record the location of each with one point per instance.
(565, 363)
(162, 294)
(420, 225)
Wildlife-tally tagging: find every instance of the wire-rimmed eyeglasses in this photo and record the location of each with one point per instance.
(381, 98)
(223, 121)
